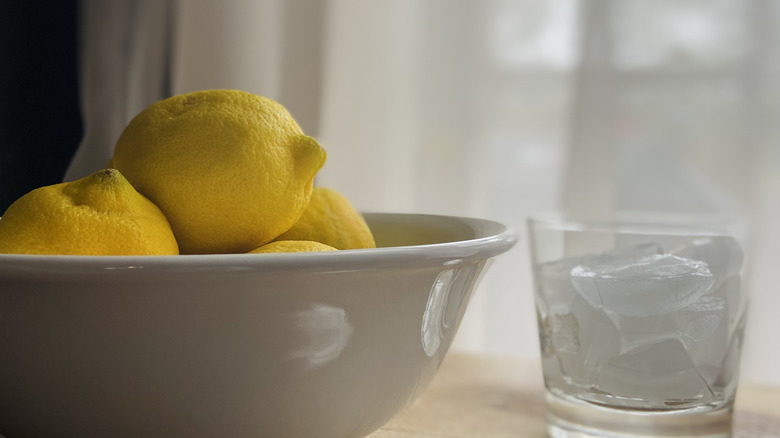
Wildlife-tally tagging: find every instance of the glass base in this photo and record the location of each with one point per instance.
(578, 419)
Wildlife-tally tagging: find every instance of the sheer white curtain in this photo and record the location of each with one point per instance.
(125, 49)
(501, 108)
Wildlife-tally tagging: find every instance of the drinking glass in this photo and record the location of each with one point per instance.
(641, 322)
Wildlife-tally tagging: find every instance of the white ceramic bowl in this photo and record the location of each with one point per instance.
(297, 345)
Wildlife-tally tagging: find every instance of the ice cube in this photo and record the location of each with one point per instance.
(698, 321)
(556, 293)
(733, 297)
(651, 285)
(711, 352)
(636, 331)
(659, 375)
(565, 334)
(560, 333)
(692, 324)
(728, 369)
(597, 339)
(722, 254)
(705, 328)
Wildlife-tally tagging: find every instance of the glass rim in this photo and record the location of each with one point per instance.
(641, 222)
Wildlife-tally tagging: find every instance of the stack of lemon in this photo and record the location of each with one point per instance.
(209, 172)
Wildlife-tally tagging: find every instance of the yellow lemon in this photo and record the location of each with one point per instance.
(231, 170)
(100, 214)
(292, 246)
(332, 220)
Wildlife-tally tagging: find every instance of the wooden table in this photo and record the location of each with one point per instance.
(488, 397)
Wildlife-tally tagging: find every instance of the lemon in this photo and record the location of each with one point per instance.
(100, 214)
(332, 220)
(230, 170)
(292, 246)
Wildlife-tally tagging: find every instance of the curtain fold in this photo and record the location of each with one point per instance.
(125, 61)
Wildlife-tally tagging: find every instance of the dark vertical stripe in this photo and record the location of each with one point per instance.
(40, 121)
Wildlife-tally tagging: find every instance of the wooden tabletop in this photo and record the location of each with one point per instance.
(488, 397)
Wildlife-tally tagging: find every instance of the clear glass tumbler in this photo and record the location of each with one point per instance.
(640, 325)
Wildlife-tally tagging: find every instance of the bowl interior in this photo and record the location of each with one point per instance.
(392, 230)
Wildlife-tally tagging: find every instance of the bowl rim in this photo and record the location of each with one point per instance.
(490, 239)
